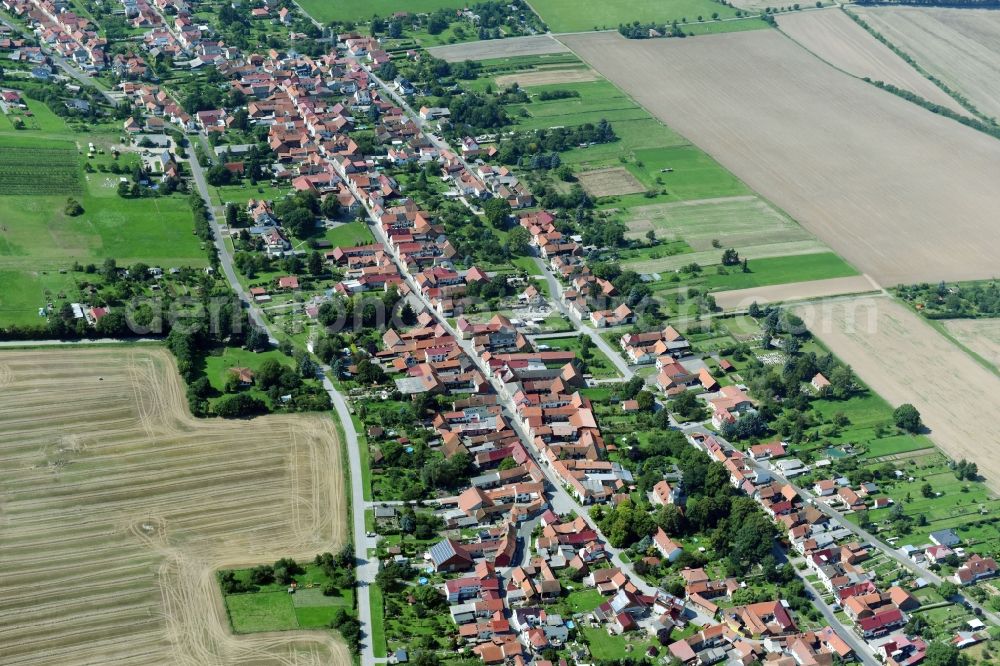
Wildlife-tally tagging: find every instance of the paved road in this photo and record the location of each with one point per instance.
(64, 64)
(862, 534)
(366, 569)
(555, 295)
(861, 648)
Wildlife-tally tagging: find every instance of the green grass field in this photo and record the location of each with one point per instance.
(350, 234)
(378, 620)
(39, 168)
(217, 365)
(358, 10)
(598, 363)
(566, 15)
(780, 270)
(273, 609)
(261, 611)
(645, 146)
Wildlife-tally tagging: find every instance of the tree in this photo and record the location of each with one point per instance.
(730, 257)
(231, 214)
(947, 590)
(315, 264)
(257, 340)
(268, 374)
(687, 406)
(907, 418)
(519, 241)
(497, 211)
(370, 373)
(330, 207)
(123, 189)
(926, 490)
(238, 406)
(73, 207)
(942, 654)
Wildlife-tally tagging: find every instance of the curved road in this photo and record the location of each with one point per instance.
(366, 569)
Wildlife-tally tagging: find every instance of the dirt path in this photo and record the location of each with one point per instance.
(119, 507)
(904, 359)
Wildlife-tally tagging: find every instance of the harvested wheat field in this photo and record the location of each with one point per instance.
(498, 48)
(834, 37)
(610, 182)
(905, 360)
(118, 508)
(901, 193)
(982, 336)
(740, 299)
(545, 77)
(961, 47)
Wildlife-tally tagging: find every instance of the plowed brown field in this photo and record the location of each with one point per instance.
(902, 194)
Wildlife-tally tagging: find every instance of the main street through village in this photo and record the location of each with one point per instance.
(561, 500)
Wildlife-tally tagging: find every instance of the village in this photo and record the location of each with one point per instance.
(553, 462)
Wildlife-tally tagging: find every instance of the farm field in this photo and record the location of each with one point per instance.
(325, 11)
(869, 173)
(836, 38)
(961, 47)
(903, 359)
(568, 16)
(498, 48)
(655, 155)
(747, 223)
(120, 507)
(982, 336)
(29, 166)
(794, 291)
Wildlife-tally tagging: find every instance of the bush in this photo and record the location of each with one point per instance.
(239, 405)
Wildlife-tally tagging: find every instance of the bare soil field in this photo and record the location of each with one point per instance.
(118, 508)
(980, 335)
(836, 38)
(959, 46)
(610, 182)
(902, 358)
(498, 48)
(545, 77)
(739, 299)
(901, 193)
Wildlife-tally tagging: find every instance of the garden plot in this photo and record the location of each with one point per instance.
(610, 182)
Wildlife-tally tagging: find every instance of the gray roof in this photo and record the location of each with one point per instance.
(945, 537)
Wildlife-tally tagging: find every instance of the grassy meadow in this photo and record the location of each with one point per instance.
(325, 11)
(40, 167)
(565, 15)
